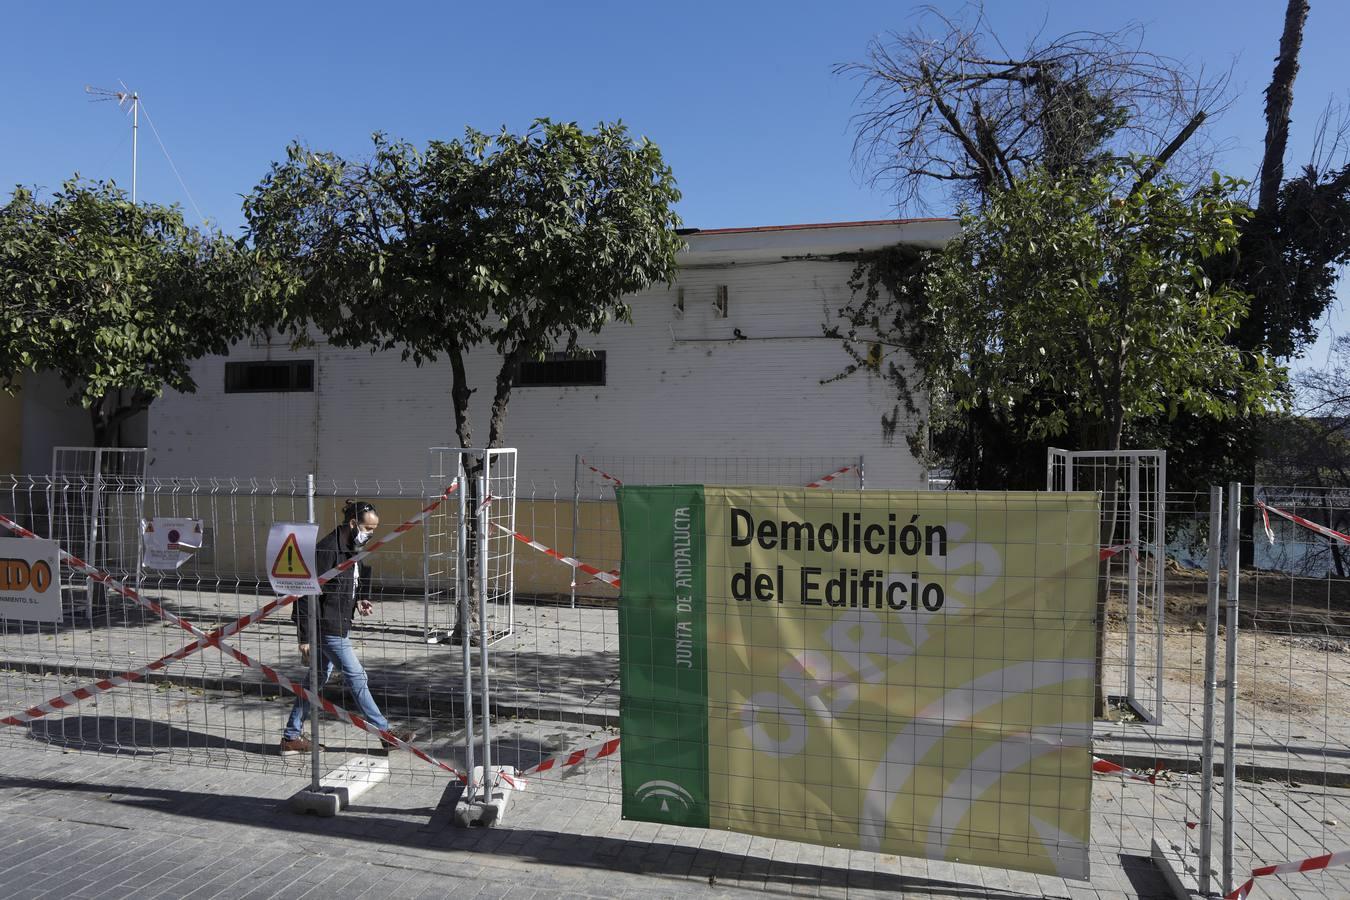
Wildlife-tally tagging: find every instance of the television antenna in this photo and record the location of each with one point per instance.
(125, 97)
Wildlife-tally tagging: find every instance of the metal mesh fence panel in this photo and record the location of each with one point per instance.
(556, 679)
(126, 691)
(1132, 484)
(1290, 690)
(550, 664)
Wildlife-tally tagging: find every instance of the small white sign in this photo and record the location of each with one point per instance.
(290, 558)
(30, 580)
(170, 542)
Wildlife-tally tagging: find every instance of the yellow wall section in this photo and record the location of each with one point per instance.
(237, 539)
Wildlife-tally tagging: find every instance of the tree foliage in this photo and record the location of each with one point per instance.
(944, 106)
(117, 298)
(1066, 306)
(522, 242)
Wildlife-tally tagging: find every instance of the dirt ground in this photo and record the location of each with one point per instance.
(1293, 640)
(1268, 602)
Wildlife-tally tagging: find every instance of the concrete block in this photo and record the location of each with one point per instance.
(1179, 875)
(341, 786)
(478, 812)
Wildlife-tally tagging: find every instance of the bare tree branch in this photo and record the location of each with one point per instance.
(949, 96)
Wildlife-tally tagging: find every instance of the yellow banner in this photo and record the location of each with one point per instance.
(907, 673)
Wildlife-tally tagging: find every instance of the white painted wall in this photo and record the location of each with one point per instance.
(675, 387)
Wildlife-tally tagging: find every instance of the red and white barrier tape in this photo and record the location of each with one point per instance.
(1108, 552)
(1312, 864)
(574, 757)
(104, 685)
(563, 760)
(599, 574)
(216, 637)
(1106, 767)
(602, 473)
(830, 477)
(590, 581)
(1298, 520)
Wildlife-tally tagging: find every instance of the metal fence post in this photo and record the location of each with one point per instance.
(862, 474)
(1160, 580)
(1210, 687)
(1230, 680)
(314, 653)
(95, 510)
(576, 517)
(484, 522)
(426, 584)
(462, 594)
(140, 543)
(1132, 582)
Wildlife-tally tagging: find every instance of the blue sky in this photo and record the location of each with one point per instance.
(740, 95)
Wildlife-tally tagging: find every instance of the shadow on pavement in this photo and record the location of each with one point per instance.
(426, 829)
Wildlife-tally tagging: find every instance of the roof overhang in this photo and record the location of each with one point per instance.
(730, 245)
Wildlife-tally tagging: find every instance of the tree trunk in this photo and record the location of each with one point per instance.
(107, 416)
(460, 392)
(1279, 103)
(502, 395)
(1113, 489)
(467, 614)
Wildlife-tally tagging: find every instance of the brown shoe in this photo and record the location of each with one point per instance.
(293, 746)
(405, 735)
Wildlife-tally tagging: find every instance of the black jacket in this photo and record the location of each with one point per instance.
(337, 604)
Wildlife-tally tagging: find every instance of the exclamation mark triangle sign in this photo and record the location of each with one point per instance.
(290, 562)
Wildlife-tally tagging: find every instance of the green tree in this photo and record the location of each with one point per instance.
(1069, 304)
(519, 242)
(945, 110)
(117, 298)
(1077, 305)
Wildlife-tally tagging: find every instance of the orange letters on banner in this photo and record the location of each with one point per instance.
(19, 575)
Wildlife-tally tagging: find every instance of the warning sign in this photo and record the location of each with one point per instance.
(289, 562)
(290, 556)
(170, 542)
(30, 580)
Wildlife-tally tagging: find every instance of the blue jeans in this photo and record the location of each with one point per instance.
(334, 650)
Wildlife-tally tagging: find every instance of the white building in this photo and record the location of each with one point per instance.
(675, 383)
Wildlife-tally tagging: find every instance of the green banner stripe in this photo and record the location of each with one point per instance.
(663, 639)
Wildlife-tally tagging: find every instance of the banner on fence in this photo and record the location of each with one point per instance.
(909, 673)
(170, 542)
(30, 581)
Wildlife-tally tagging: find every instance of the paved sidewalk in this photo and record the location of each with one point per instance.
(198, 776)
(97, 826)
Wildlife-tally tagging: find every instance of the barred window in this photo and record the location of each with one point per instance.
(269, 377)
(562, 370)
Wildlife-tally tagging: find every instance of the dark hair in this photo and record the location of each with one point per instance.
(356, 509)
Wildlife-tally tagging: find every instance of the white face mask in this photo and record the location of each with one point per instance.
(360, 537)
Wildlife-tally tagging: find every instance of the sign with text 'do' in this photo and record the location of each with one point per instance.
(290, 558)
(30, 580)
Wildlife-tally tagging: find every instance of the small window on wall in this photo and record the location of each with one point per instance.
(269, 377)
(562, 370)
